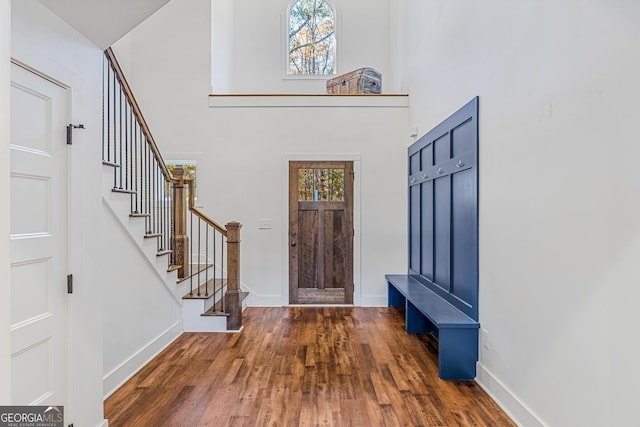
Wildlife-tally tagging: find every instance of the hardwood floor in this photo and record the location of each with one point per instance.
(302, 366)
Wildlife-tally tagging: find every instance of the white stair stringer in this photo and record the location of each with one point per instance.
(182, 287)
(167, 277)
(119, 205)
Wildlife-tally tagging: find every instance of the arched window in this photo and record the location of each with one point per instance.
(312, 38)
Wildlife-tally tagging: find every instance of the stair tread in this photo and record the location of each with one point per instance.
(173, 268)
(150, 235)
(161, 253)
(219, 283)
(139, 215)
(218, 309)
(112, 164)
(212, 312)
(124, 191)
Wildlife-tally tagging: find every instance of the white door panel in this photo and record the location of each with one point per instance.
(35, 164)
(38, 238)
(30, 214)
(33, 115)
(27, 363)
(31, 284)
(30, 247)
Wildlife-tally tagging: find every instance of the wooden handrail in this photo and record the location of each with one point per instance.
(115, 65)
(198, 212)
(152, 143)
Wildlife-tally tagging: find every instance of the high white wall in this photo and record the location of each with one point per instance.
(42, 41)
(559, 199)
(244, 173)
(5, 296)
(242, 152)
(257, 52)
(222, 46)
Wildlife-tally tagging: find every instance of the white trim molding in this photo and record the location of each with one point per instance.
(123, 372)
(308, 100)
(520, 413)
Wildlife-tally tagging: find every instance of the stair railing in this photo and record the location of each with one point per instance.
(203, 251)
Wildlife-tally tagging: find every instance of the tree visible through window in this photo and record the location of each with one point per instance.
(321, 185)
(312, 38)
(189, 168)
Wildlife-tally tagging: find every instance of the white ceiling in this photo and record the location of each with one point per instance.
(103, 21)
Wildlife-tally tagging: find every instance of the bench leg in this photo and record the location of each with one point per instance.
(457, 353)
(396, 299)
(416, 322)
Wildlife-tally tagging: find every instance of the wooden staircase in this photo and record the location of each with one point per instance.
(151, 203)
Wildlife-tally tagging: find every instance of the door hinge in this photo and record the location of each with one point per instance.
(70, 283)
(70, 129)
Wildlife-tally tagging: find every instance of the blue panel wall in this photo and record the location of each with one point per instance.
(414, 224)
(443, 209)
(427, 232)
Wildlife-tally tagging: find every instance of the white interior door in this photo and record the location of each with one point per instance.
(38, 237)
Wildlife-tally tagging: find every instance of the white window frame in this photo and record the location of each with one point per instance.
(285, 45)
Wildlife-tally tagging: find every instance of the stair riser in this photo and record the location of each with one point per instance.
(194, 322)
(150, 246)
(162, 263)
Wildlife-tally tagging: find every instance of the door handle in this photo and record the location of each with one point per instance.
(293, 243)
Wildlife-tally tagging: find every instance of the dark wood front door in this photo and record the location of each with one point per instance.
(321, 232)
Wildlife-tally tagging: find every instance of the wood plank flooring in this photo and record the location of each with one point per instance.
(302, 366)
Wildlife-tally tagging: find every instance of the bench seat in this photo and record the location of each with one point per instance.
(428, 312)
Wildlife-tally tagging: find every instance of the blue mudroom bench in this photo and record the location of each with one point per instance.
(427, 312)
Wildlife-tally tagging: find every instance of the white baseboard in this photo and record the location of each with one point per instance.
(276, 301)
(510, 403)
(373, 301)
(255, 300)
(104, 423)
(118, 376)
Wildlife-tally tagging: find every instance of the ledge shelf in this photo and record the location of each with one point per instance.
(311, 100)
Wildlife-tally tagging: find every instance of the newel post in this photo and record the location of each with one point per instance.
(181, 250)
(233, 297)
